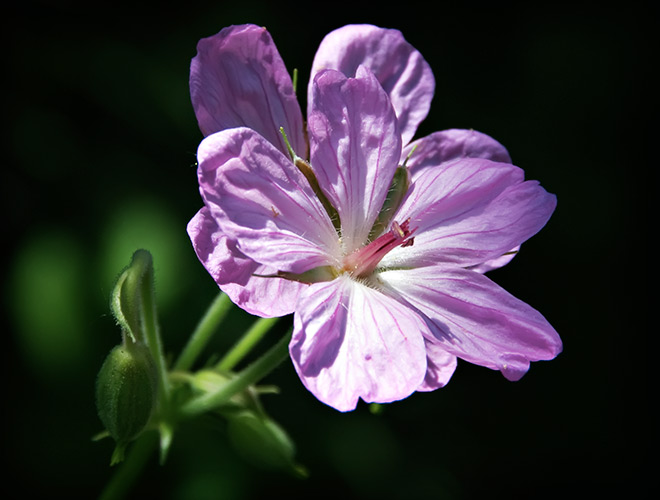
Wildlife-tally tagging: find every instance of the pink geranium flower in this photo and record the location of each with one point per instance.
(377, 246)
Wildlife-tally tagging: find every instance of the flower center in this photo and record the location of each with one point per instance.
(363, 261)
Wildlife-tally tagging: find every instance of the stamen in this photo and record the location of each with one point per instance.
(397, 228)
(364, 260)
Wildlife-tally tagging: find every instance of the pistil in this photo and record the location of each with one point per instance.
(363, 261)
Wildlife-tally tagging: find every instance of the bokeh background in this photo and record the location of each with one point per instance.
(100, 160)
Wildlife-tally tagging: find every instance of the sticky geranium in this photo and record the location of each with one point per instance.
(377, 245)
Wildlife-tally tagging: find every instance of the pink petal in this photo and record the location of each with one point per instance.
(453, 144)
(224, 262)
(355, 148)
(352, 342)
(234, 272)
(440, 367)
(476, 320)
(265, 297)
(400, 69)
(238, 79)
(470, 211)
(497, 262)
(261, 200)
(434, 150)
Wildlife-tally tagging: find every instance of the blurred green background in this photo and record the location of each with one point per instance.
(101, 142)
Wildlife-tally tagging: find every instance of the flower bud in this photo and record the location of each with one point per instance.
(126, 393)
(263, 442)
(209, 381)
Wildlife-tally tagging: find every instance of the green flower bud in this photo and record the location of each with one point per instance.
(210, 381)
(263, 442)
(126, 393)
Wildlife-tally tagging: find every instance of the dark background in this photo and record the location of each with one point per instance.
(100, 160)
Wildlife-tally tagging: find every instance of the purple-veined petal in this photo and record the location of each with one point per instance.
(355, 148)
(235, 273)
(436, 149)
(261, 200)
(440, 366)
(224, 262)
(475, 319)
(398, 66)
(497, 262)
(350, 342)
(453, 144)
(238, 79)
(265, 297)
(470, 211)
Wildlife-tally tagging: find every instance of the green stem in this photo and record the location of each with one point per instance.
(152, 335)
(203, 332)
(246, 343)
(250, 375)
(129, 470)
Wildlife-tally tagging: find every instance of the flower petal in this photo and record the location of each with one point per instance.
(436, 149)
(453, 144)
(470, 211)
(235, 273)
(355, 148)
(224, 262)
(238, 79)
(265, 297)
(352, 342)
(497, 262)
(476, 320)
(398, 66)
(261, 200)
(440, 366)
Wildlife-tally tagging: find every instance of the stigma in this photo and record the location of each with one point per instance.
(364, 261)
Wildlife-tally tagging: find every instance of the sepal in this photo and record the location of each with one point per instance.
(127, 295)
